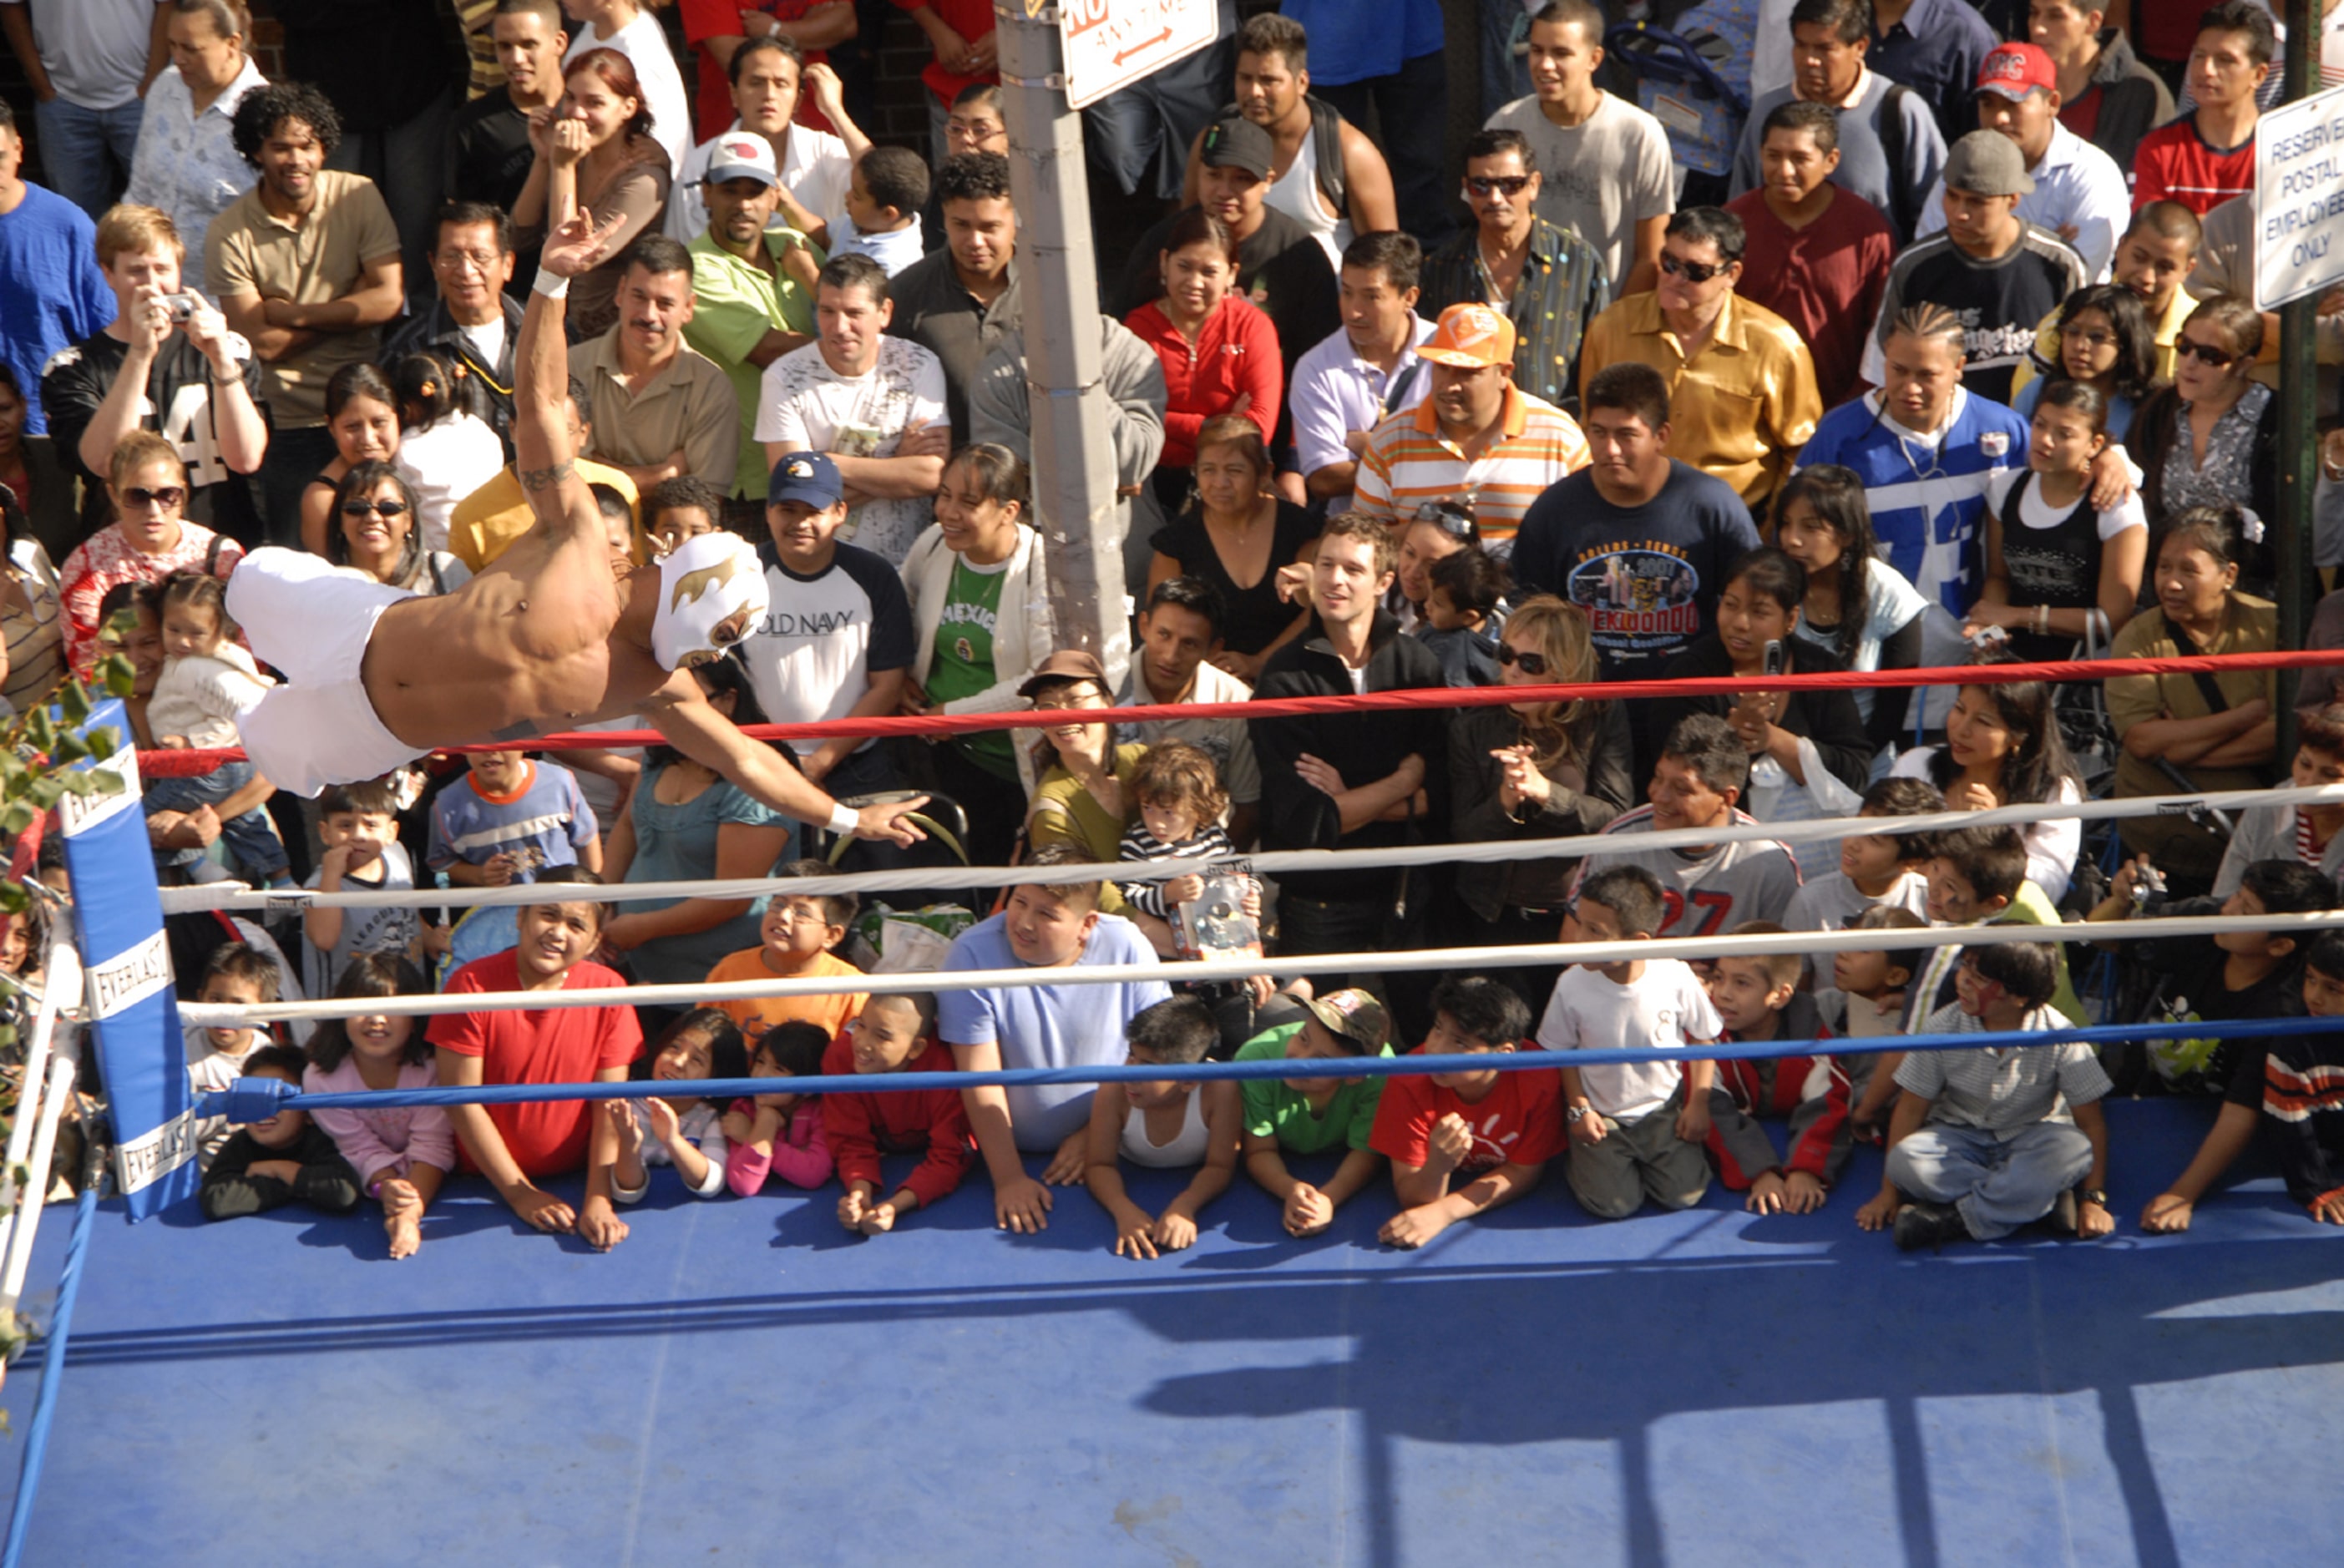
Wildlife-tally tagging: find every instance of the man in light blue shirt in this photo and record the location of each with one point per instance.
(1352, 379)
(1071, 1024)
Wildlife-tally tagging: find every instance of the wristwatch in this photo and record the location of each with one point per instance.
(1573, 1114)
(2098, 1195)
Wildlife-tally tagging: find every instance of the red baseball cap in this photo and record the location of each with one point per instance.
(2013, 70)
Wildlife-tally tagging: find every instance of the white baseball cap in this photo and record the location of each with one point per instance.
(742, 154)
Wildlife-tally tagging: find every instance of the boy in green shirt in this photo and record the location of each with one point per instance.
(1313, 1116)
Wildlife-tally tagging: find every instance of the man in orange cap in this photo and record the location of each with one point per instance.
(1477, 439)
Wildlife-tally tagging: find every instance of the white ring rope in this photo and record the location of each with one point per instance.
(1461, 960)
(236, 895)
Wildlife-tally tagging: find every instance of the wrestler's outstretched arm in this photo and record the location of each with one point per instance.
(680, 712)
(542, 460)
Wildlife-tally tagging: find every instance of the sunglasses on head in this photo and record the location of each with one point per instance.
(380, 507)
(1497, 184)
(1448, 517)
(2218, 357)
(169, 495)
(1531, 663)
(1690, 272)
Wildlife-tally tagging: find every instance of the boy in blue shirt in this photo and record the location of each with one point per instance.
(512, 818)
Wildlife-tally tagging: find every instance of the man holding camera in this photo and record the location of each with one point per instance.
(168, 362)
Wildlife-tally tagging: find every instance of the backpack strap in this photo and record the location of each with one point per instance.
(1326, 141)
(1892, 148)
(212, 555)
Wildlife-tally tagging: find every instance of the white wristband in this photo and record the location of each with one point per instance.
(558, 290)
(844, 820)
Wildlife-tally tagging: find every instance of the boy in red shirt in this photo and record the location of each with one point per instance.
(1463, 1143)
(892, 1034)
(1758, 998)
(513, 1145)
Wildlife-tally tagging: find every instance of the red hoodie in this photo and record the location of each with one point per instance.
(1237, 352)
(863, 1127)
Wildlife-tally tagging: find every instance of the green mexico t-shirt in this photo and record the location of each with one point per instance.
(963, 662)
(1271, 1110)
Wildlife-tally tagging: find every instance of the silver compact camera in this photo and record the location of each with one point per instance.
(183, 306)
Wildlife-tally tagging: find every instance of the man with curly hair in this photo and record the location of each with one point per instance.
(304, 266)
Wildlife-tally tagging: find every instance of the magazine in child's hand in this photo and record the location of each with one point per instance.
(1214, 924)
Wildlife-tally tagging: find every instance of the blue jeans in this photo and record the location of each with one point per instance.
(1996, 1183)
(250, 839)
(85, 152)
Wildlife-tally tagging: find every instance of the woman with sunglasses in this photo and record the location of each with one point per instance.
(1809, 754)
(375, 532)
(362, 416)
(1534, 770)
(2211, 439)
(1235, 537)
(149, 538)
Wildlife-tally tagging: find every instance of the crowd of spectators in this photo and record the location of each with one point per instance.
(1956, 361)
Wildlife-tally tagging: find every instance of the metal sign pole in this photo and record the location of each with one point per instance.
(2298, 435)
(1074, 456)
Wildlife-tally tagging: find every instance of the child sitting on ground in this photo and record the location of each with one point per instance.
(881, 221)
(893, 1034)
(2294, 1092)
(1635, 1129)
(401, 1153)
(779, 1133)
(1463, 611)
(678, 1129)
(208, 684)
(359, 825)
(1987, 1141)
(681, 508)
(1758, 998)
(234, 976)
(1876, 869)
(2233, 975)
(795, 940)
(1465, 1142)
(1166, 1127)
(1314, 1114)
(1181, 804)
(510, 818)
(269, 1164)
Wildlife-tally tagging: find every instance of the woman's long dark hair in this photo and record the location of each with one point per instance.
(2134, 377)
(1836, 495)
(2039, 764)
(371, 975)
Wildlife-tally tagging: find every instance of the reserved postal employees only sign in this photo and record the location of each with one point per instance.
(2299, 199)
(1111, 44)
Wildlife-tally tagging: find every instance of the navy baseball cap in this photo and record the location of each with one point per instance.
(808, 478)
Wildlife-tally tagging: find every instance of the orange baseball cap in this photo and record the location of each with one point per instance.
(1469, 336)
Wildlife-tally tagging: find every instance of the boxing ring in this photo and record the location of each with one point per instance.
(744, 1377)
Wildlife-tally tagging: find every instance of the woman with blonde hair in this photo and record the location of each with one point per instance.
(1533, 770)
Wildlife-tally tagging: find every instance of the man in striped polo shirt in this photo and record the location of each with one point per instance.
(1477, 437)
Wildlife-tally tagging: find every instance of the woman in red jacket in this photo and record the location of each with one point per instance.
(1220, 354)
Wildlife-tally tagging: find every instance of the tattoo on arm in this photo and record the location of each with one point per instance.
(543, 479)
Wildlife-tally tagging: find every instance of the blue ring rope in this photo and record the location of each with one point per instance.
(52, 1364)
(274, 1094)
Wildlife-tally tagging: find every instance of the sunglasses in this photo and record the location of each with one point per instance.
(1497, 184)
(1690, 272)
(380, 507)
(2217, 357)
(170, 495)
(1449, 518)
(1531, 663)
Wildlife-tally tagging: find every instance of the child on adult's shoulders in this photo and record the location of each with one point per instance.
(1987, 1139)
(682, 1128)
(1636, 1129)
(1314, 1115)
(401, 1153)
(779, 1133)
(796, 941)
(893, 1034)
(1462, 1143)
(287, 1159)
(1165, 1126)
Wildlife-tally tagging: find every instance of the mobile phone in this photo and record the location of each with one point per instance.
(1774, 656)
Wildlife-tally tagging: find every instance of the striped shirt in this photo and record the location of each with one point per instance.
(1409, 462)
(1563, 285)
(1138, 844)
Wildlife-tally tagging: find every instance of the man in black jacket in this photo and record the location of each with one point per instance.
(473, 324)
(1349, 780)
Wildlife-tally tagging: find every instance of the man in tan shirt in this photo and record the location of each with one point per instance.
(1742, 385)
(305, 265)
(659, 409)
